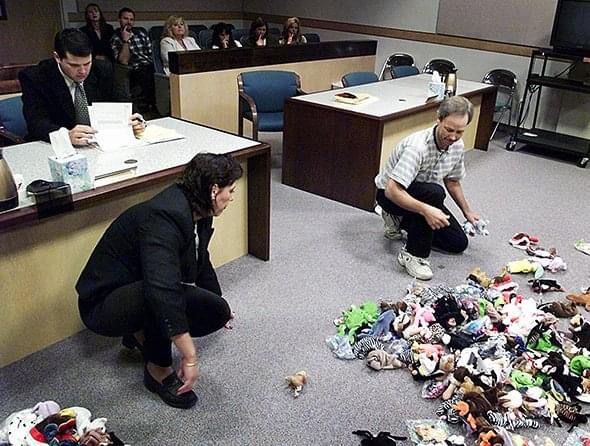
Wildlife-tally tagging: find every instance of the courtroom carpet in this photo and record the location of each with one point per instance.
(324, 257)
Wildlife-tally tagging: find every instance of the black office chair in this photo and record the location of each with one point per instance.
(443, 66)
(506, 82)
(395, 60)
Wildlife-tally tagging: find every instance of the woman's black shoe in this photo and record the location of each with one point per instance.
(168, 390)
(131, 342)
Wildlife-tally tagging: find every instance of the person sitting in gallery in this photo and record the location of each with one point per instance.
(175, 38)
(259, 36)
(291, 34)
(98, 31)
(222, 37)
(132, 48)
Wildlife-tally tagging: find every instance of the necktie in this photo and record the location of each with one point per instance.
(81, 106)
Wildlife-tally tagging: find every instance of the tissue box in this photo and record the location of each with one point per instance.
(72, 170)
(436, 89)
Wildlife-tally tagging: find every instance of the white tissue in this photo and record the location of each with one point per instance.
(61, 144)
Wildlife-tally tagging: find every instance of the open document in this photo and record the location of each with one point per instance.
(111, 121)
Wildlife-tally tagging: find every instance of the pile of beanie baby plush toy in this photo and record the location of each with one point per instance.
(497, 360)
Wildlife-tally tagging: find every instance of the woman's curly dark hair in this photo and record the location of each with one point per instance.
(201, 173)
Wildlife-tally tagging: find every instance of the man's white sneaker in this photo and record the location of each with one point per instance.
(415, 266)
(391, 224)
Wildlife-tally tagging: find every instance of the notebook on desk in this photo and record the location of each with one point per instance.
(155, 133)
(350, 98)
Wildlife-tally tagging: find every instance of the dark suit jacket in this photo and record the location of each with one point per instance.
(47, 103)
(153, 242)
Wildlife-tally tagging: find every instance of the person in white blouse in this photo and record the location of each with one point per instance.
(175, 38)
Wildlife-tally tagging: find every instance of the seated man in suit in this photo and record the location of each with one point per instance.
(57, 91)
(132, 48)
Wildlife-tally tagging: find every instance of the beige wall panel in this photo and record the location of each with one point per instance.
(27, 34)
(40, 264)
(211, 98)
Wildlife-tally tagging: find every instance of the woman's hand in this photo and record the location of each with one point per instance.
(189, 373)
(229, 324)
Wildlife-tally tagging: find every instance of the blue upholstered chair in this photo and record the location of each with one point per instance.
(161, 81)
(13, 127)
(194, 30)
(403, 71)
(506, 82)
(395, 60)
(205, 40)
(262, 96)
(155, 32)
(359, 78)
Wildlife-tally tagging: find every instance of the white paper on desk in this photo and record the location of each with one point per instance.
(111, 122)
(113, 163)
(61, 144)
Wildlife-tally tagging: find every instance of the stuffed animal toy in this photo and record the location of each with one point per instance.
(511, 400)
(357, 318)
(423, 317)
(296, 382)
(580, 298)
(447, 312)
(480, 277)
(381, 360)
(381, 439)
(15, 428)
(477, 228)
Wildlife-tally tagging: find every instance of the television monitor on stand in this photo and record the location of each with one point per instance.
(571, 27)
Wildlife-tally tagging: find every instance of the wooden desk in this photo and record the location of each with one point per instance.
(40, 260)
(335, 150)
(203, 84)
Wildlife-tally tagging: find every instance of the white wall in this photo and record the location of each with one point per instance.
(415, 15)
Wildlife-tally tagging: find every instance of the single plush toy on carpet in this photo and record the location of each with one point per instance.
(296, 382)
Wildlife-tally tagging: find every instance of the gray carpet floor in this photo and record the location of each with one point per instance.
(324, 257)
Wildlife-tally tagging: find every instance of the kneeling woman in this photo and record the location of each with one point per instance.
(150, 279)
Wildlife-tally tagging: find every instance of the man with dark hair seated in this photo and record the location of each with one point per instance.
(57, 91)
(132, 48)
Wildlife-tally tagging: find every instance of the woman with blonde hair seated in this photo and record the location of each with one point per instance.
(291, 33)
(175, 38)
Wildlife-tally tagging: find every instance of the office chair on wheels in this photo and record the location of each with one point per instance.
(506, 82)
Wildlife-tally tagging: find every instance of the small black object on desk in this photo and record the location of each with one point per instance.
(51, 197)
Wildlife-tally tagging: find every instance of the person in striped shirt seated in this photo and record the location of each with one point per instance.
(412, 186)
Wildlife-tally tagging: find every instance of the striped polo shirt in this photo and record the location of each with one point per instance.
(417, 158)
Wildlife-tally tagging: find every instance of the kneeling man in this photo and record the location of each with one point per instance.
(411, 193)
